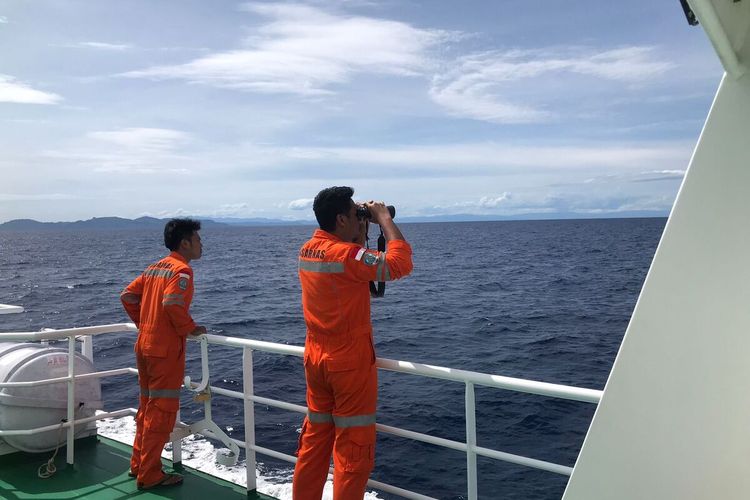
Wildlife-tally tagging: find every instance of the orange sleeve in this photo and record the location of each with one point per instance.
(371, 265)
(133, 308)
(176, 301)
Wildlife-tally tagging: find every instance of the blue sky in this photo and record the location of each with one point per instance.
(237, 109)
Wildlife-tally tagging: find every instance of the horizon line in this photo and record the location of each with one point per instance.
(635, 214)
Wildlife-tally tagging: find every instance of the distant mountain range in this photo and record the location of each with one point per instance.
(95, 223)
(119, 223)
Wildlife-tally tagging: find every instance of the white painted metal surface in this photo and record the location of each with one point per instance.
(27, 402)
(471, 441)
(8, 309)
(249, 413)
(441, 372)
(468, 378)
(673, 421)
(726, 24)
(71, 396)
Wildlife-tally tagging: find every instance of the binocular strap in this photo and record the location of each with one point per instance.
(379, 290)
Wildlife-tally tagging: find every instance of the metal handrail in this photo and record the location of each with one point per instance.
(469, 378)
(49, 381)
(99, 416)
(477, 378)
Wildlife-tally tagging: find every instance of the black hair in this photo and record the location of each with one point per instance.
(177, 230)
(329, 203)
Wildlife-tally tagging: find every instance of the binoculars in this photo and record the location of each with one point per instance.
(364, 213)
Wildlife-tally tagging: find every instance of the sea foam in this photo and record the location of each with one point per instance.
(198, 453)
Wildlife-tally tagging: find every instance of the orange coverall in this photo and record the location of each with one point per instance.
(339, 359)
(163, 320)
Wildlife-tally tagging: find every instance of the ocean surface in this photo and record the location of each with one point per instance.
(542, 300)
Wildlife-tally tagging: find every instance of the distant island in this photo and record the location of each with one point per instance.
(119, 223)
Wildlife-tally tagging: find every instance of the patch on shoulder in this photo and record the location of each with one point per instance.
(183, 283)
(369, 258)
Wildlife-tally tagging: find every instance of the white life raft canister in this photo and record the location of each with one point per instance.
(32, 407)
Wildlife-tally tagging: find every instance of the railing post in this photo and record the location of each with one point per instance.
(88, 347)
(71, 397)
(471, 443)
(248, 391)
(177, 445)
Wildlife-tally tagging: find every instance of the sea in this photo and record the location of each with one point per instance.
(540, 300)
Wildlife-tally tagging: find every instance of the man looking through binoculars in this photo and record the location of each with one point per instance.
(335, 270)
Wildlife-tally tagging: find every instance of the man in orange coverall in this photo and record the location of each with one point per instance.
(158, 302)
(342, 380)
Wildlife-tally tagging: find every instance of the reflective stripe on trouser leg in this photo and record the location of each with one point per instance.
(354, 447)
(162, 378)
(313, 459)
(316, 438)
(158, 424)
(319, 418)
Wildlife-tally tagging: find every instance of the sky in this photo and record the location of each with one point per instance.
(247, 109)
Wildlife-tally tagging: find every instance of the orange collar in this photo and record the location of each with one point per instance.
(176, 255)
(325, 235)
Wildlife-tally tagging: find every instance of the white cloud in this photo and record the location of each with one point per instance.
(483, 204)
(465, 156)
(301, 204)
(628, 64)
(102, 46)
(36, 197)
(675, 173)
(493, 86)
(132, 150)
(542, 202)
(149, 139)
(3, 20)
(178, 212)
(660, 175)
(230, 210)
(307, 51)
(12, 90)
(490, 202)
(623, 177)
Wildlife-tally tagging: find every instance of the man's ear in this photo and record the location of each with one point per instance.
(340, 220)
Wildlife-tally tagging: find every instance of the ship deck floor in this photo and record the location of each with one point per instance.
(100, 472)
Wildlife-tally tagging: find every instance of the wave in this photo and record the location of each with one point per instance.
(199, 453)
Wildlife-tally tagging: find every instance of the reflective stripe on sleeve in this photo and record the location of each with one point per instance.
(355, 421)
(319, 418)
(173, 302)
(172, 296)
(315, 266)
(159, 273)
(383, 272)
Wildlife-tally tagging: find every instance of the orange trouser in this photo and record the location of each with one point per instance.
(341, 419)
(160, 380)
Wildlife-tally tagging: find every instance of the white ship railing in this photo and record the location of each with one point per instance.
(468, 378)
